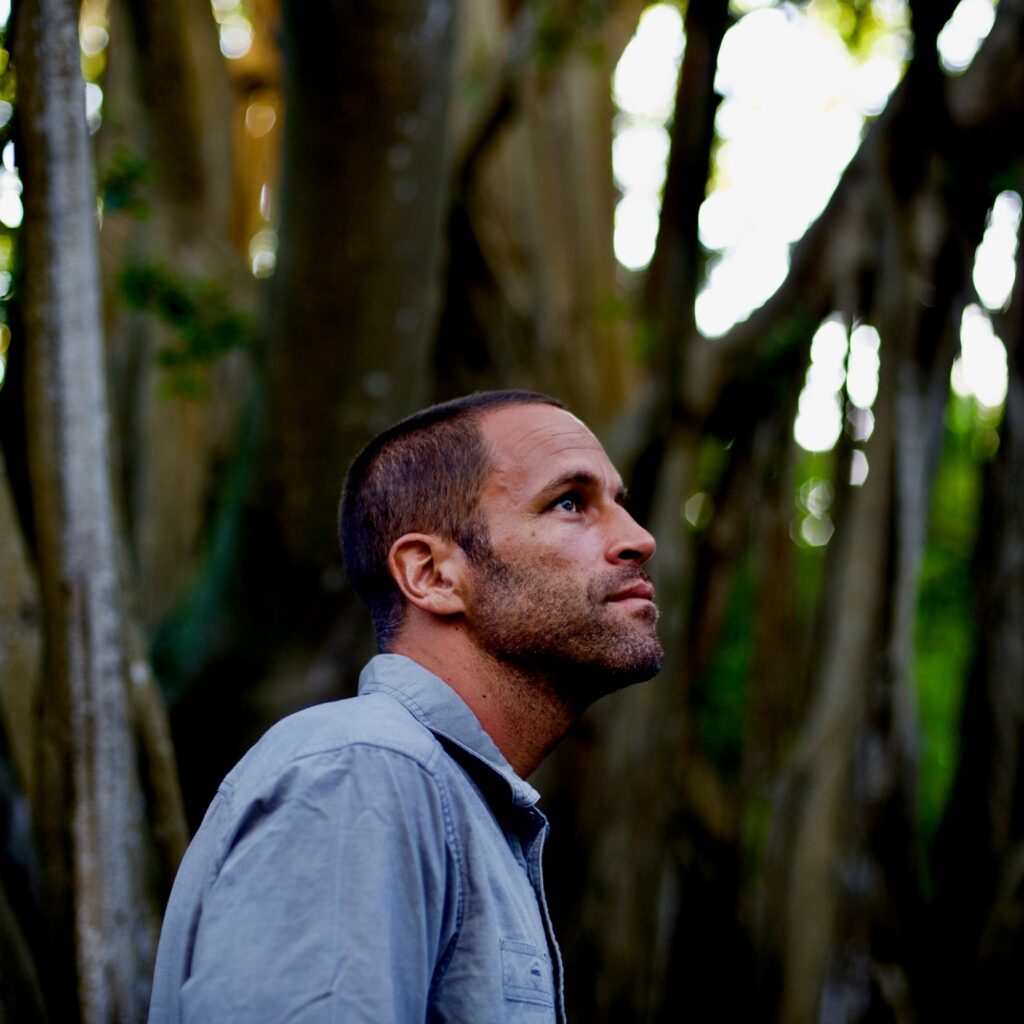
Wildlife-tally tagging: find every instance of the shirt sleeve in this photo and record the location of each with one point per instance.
(333, 902)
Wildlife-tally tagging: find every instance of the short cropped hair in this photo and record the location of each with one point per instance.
(422, 475)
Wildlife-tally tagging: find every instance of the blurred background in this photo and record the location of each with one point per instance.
(767, 250)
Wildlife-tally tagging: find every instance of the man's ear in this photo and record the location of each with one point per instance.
(428, 572)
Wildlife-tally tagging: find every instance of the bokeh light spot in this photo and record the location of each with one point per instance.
(862, 369)
(263, 253)
(644, 82)
(636, 230)
(11, 210)
(260, 119)
(236, 37)
(961, 37)
(858, 468)
(980, 369)
(819, 419)
(93, 106)
(697, 510)
(995, 265)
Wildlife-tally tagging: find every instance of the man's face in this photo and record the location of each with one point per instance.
(562, 589)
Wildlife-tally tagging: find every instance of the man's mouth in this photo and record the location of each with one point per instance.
(640, 590)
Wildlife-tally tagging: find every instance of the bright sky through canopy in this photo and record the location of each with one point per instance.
(961, 36)
(994, 261)
(793, 112)
(644, 87)
(792, 115)
(793, 108)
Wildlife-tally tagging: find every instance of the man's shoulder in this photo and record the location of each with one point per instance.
(324, 735)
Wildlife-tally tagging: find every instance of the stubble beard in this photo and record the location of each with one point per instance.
(551, 630)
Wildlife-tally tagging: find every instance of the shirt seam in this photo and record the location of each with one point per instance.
(229, 791)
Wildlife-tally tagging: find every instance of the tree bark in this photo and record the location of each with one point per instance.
(89, 806)
(356, 291)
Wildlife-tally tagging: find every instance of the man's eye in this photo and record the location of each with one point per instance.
(569, 503)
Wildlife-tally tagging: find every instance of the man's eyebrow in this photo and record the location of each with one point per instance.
(582, 478)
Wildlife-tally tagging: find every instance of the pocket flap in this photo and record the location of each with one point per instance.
(525, 973)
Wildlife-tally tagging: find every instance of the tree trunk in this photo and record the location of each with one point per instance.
(350, 328)
(356, 290)
(980, 849)
(173, 428)
(89, 805)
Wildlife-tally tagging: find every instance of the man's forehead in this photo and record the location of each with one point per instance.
(536, 440)
(531, 428)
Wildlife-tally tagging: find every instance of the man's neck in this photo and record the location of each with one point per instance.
(520, 711)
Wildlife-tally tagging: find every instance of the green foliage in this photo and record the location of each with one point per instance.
(861, 24)
(205, 322)
(755, 829)
(813, 469)
(945, 613)
(121, 182)
(712, 459)
(7, 77)
(718, 702)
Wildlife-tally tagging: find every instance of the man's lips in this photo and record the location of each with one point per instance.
(641, 590)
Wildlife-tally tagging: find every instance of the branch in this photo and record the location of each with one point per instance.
(499, 102)
(671, 282)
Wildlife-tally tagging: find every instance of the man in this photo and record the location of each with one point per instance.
(378, 859)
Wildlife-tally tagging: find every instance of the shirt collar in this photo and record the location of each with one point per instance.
(434, 703)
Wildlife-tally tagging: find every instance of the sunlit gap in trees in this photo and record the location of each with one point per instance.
(839, 363)
(841, 385)
(979, 371)
(964, 33)
(260, 118)
(11, 211)
(237, 32)
(783, 146)
(93, 39)
(795, 102)
(643, 87)
(794, 105)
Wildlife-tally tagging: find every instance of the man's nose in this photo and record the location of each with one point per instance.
(631, 542)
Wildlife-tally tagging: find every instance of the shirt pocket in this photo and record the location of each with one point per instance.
(526, 974)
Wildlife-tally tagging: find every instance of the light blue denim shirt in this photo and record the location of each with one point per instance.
(370, 861)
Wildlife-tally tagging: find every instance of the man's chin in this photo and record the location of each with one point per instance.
(643, 669)
(631, 663)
